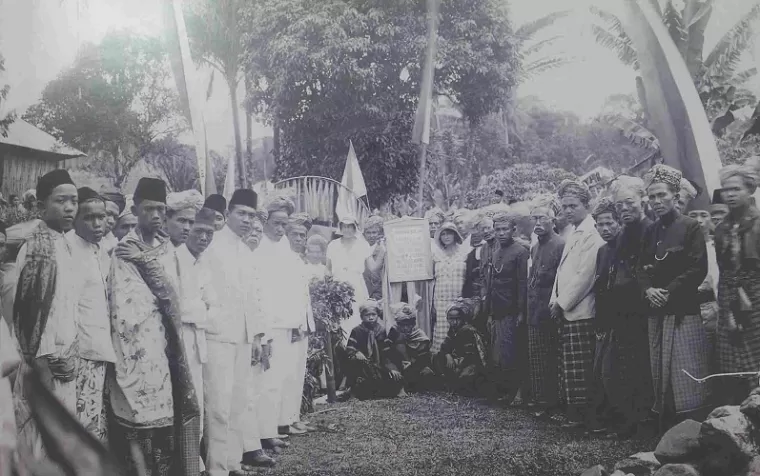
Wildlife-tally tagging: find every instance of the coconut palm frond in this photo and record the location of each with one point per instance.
(614, 24)
(726, 54)
(620, 44)
(529, 29)
(633, 131)
(544, 64)
(534, 48)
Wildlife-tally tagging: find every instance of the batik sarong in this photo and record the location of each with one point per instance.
(577, 343)
(504, 355)
(677, 344)
(90, 384)
(543, 346)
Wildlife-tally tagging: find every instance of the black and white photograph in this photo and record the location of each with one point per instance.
(379, 237)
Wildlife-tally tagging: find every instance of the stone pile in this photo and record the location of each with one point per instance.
(727, 443)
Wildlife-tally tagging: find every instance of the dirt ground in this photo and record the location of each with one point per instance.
(442, 434)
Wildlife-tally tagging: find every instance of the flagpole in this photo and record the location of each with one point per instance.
(421, 132)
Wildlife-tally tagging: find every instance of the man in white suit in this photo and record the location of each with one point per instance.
(572, 303)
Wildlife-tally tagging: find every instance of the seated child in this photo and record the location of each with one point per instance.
(367, 376)
(407, 354)
(462, 358)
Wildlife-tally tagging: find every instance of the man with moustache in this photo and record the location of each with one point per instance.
(672, 265)
(543, 332)
(297, 231)
(45, 308)
(718, 209)
(257, 230)
(153, 398)
(572, 303)
(94, 324)
(624, 319)
(234, 337)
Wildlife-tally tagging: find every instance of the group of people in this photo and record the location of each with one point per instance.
(171, 323)
(595, 312)
(152, 319)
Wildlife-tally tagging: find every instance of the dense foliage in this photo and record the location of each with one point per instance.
(333, 71)
(114, 103)
(7, 119)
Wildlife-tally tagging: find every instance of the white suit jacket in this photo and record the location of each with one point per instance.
(573, 286)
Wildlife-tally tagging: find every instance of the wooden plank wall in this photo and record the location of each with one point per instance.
(19, 173)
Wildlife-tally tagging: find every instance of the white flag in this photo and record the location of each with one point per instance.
(352, 180)
(229, 181)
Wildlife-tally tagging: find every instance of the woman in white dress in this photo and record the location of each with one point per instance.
(346, 258)
(450, 259)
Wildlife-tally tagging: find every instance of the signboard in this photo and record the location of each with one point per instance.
(409, 256)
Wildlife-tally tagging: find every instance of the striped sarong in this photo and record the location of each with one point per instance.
(677, 344)
(543, 349)
(577, 344)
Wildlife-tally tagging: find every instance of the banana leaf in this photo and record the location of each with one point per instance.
(677, 116)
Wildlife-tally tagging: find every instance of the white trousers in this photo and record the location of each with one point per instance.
(292, 391)
(271, 398)
(227, 378)
(252, 436)
(196, 370)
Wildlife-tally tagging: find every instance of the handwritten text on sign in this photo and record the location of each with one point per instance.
(409, 254)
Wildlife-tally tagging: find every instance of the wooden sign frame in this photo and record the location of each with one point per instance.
(409, 253)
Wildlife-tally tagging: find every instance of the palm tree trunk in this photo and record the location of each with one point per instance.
(241, 179)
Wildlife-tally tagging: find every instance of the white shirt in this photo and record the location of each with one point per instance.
(196, 296)
(285, 285)
(94, 323)
(8, 353)
(61, 329)
(236, 315)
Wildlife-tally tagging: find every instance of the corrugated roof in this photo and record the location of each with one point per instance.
(23, 134)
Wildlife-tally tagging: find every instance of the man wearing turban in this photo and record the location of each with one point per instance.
(737, 241)
(621, 312)
(366, 350)
(407, 350)
(572, 303)
(287, 309)
(297, 232)
(543, 331)
(504, 297)
(672, 265)
(462, 360)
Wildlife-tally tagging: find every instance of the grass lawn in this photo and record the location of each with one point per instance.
(442, 434)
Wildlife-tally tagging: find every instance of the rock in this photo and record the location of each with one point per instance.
(619, 473)
(597, 470)
(680, 444)
(751, 407)
(753, 469)
(640, 464)
(677, 470)
(728, 431)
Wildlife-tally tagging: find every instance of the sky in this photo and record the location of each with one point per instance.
(39, 38)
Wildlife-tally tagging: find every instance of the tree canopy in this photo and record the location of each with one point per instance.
(338, 70)
(115, 102)
(9, 118)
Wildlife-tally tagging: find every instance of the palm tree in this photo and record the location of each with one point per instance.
(716, 75)
(215, 33)
(533, 63)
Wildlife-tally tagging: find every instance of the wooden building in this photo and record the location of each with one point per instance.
(27, 154)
